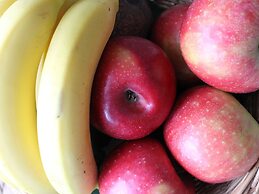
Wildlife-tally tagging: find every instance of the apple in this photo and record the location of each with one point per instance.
(212, 135)
(134, 88)
(166, 33)
(140, 166)
(219, 41)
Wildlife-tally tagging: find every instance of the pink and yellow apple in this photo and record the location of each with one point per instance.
(133, 90)
(212, 135)
(220, 43)
(166, 33)
(140, 166)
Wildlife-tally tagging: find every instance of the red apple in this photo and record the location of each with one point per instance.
(212, 135)
(166, 33)
(140, 166)
(133, 90)
(219, 41)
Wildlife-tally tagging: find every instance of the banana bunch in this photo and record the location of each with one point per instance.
(49, 51)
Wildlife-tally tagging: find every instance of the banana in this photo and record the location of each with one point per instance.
(38, 76)
(25, 29)
(66, 5)
(64, 95)
(4, 5)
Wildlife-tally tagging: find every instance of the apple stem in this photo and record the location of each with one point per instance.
(131, 96)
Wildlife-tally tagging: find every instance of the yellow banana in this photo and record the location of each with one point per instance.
(4, 5)
(38, 76)
(67, 4)
(64, 95)
(25, 29)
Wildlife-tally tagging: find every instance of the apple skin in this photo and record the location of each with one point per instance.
(140, 166)
(134, 88)
(166, 34)
(212, 135)
(219, 41)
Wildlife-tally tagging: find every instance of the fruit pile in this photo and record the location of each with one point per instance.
(125, 96)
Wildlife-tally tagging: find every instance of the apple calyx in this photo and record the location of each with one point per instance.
(131, 96)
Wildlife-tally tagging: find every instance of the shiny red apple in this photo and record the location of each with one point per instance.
(166, 33)
(220, 43)
(212, 135)
(140, 166)
(133, 90)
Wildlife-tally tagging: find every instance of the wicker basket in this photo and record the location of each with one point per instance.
(168, 3)
(249, 183)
